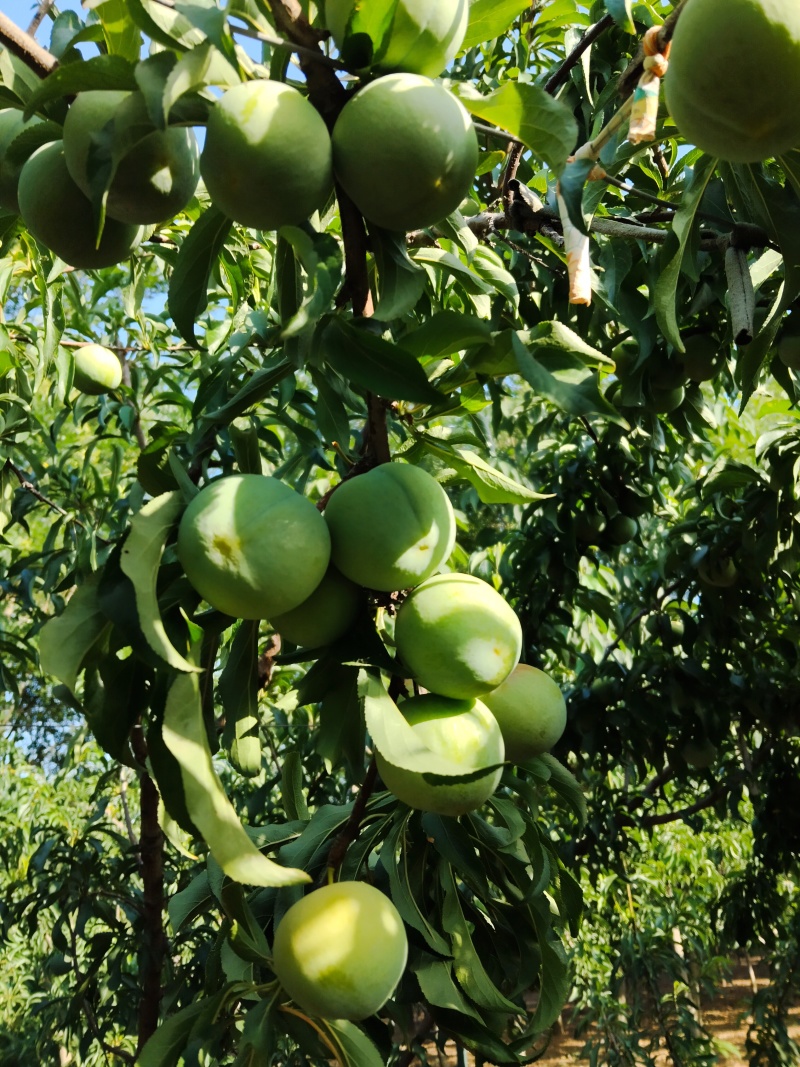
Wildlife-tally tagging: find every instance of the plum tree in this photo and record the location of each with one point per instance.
(422, 39)
(468, 733)
(423, 170)
(457, 636)
(340, 951)
(326, 614)
(266, 160)
(97, 370)
(530, 710)
(734, 77)
(155, 179)
(12, 123)
(58, 214)
(390, 528)
(221, 542)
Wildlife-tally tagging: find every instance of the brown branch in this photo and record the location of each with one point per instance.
(352, 827)
(24, 47)
(708, 801)
(629, 78)
(559, 76)
(151, 861)
(36, 21)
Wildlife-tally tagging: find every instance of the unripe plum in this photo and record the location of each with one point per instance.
(530, 710)
(390, 528)
(253, 547)
(468, 734)
(328, 613)
(97, 370)
(457, 636)
(340, 951)
(11, 125)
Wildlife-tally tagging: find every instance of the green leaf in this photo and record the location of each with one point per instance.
(403, 898)
(555, 978)
(141, 556)
(665, 292)
(544, 125)
(621, 12)
(563, 782)
(354, 1047)
(168, 1042)
(188, 286)
(251, 393)
(491, 485)
(321, 258)
(468, 967)
(65, 640)
(340, 736)
(332, 420)
(294, 801)
(238, 690)
(99, 72)
(122, 35)
(189, 902)
(211, 811)
(375, 364)
(446, 332)
(581, 398)
(400, 281)
(436, 981)
(489, 19)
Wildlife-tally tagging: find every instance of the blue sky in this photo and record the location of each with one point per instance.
(22, 11)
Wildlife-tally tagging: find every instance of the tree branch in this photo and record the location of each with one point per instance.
(24, 47)
(629, 78)
(352, 827)
(151, 862)
(559, 76)
(36, 21)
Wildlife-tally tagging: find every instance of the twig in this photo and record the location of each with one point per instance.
(151, 856)
(36, 21)
(352, 827)
(29, 487)
(24, 47)
(629, 78)
(312, 54)
(123, 794)
(559, 76)
(708, 801)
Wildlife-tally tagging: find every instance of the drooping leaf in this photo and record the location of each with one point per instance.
(65, 640)
(374, 363)
(544, 125)
(141, 556)
(665, 293)
(491, 485)
(99, 72)
(211, 811)
(168, 1042)
(489, 19)
(354, 1047)
(400, 280)
(188, 286)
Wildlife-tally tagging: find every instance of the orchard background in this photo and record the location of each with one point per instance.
(637, 509)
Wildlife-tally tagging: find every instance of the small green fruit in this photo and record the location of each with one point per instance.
(266, 160)
(457, 636)
(663, 401)
(621, 529)
(253, 547)
(390, 528)
(11, 125)
(97, 370)
(422, 39)
(703, 357)
(699, 754)
(530, 710)
(58, 214)
(734, 77)
(421, 146)
(468, 734)
(327, 614)
(340, 951)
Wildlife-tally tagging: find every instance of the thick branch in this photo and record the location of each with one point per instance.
(708, 801)
(560, 75)
(352, 827)
(151, 865)
(22, 45)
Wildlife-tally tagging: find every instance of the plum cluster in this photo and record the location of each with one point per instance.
(255, 549)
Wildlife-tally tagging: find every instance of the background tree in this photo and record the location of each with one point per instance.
(623, 470)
